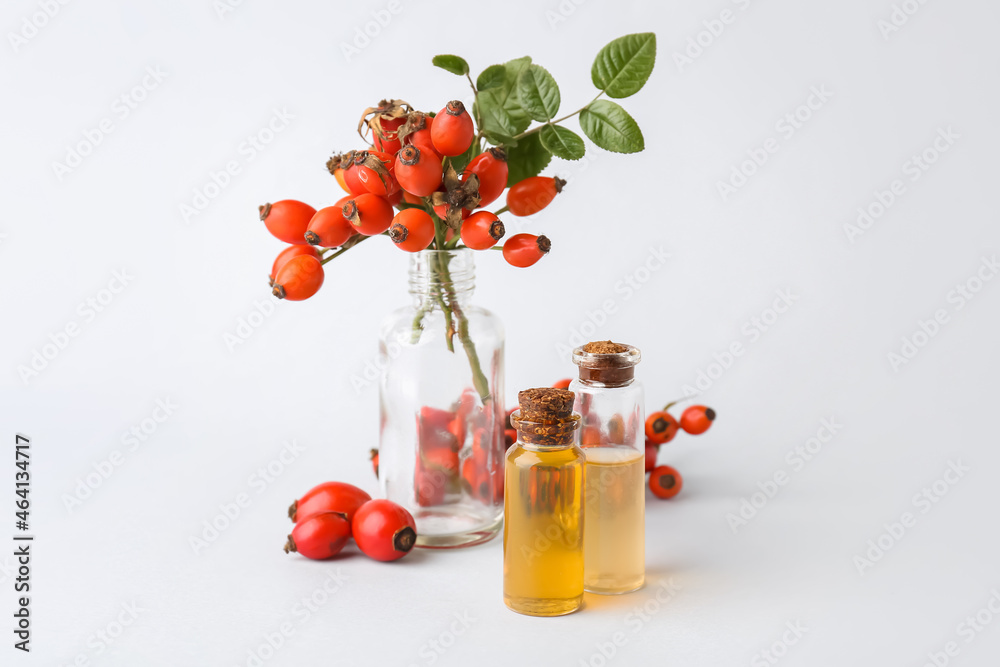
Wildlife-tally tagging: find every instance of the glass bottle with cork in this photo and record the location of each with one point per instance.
(610, 402)
(543, 507)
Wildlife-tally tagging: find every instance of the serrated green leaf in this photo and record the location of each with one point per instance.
(538, 93)
(498, 139)
(493, 117)
(610, 127)
(561, 142)
(513, 70)
(491, 77)
(454, 64)
(526, 159)
(623, 66)
(498, 108)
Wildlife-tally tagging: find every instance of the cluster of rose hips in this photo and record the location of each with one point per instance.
(405, 186)
(330, 514)
(661, 427)
(445, 467)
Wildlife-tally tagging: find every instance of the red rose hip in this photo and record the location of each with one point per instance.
(384, 530)
(661, 427)
(319, 536)
(287, 219)
(337, 497)
(287, 254)
(298, 279)
(696, 419)
(453, 130)
(665, 482)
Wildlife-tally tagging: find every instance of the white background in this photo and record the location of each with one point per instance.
(163, 336)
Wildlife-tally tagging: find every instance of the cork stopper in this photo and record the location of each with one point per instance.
(607, 363)
(546, 417)
(545, 403)
(604, 347)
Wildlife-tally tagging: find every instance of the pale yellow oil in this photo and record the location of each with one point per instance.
(543, 531)
(614, 541)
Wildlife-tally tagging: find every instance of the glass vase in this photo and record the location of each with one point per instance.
(441, 403)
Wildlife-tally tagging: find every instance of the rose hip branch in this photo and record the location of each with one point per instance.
(22, 543)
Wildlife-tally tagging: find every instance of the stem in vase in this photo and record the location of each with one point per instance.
(479, 380)
(449, 325)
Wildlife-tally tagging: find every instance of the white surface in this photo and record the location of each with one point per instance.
(163, 336)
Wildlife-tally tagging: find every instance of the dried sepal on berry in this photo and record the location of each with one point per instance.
(339, 161)
(415, 121)
(458, 195)
(373, 118)
(369, 160)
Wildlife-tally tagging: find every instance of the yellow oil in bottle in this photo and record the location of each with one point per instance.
(543, 530)
(614, 542)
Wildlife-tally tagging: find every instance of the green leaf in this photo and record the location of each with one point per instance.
(526, 159)
(492, 77)
(493, 117)
(538, 93)
(453, 64)
(498, 139)
(561, 142)
(610, 127)
(498, 108)
(624, 65)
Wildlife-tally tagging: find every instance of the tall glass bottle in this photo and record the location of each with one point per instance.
(610, 402)
(543, 507)
(441, 392)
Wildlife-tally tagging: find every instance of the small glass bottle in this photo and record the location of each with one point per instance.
(610, 402)
(543, 507)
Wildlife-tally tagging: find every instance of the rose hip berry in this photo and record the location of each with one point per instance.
(373, 455)
(384, 122)
(453, 130)
(482, 230)
(562, 384)
(384, 530)
(298, 279)
(419, 133)
(665, 482)
(287, 219)
(319, 536)
(491, 168)
(352, 175)
(533, 194)
(412, 229)
(387, 140)
(418, 172)
(368, 213)
(329, 228)
(696, 419)
(375, 171)
(523, 250)
(345, 499)
(287, 254)
(661, 427)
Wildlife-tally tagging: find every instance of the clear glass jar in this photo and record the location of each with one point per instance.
(441, 401)
(611, 404)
